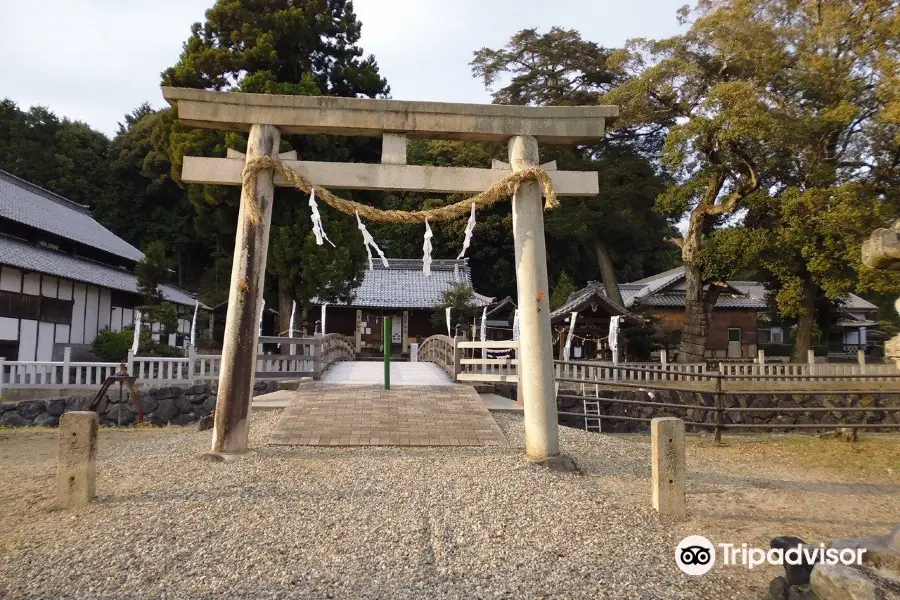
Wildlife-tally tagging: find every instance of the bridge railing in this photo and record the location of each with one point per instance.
(440, 350)
(333, 348)
(487, 361)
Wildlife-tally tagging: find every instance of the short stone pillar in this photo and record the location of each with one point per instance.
(76, 472)
(668, 466)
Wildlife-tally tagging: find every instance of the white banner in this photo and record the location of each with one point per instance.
(568, 347)
(261, 311)
(516, 324)
(426, 250)
(449, 332)
(323, 318)
(194, 324)
(614, 338)
(293, 313)
(137, 332)
(470, 227)
(484, 330)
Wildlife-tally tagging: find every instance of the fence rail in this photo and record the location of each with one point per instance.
(305, 357)
(482, 361)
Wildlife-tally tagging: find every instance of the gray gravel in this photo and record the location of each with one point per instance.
(355, 523)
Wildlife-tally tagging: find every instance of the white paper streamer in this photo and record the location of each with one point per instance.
(516, 324)
(369, 241)
(569, 337)
(470, 227)
(137, 332)
(449, 333)
(194, 323)
(317, 221)
(323, 317)
(426, 249)
(614, 338)
(293, 312)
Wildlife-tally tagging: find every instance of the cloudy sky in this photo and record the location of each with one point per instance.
(95, 60)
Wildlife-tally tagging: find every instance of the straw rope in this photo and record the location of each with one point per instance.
(504, 188)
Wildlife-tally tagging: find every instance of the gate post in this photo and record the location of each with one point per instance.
(535, 343)
(238, 366)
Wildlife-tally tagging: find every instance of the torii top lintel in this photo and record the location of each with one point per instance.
(368, 117)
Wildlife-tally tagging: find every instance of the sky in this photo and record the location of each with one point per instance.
(97, 60)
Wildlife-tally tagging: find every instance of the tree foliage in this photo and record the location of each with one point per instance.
(760, 99)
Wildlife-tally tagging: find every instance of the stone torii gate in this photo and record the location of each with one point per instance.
(265, 117)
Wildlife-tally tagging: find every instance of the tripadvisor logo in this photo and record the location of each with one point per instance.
(696, 555)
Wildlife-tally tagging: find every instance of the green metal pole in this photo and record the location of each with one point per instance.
(387, 353)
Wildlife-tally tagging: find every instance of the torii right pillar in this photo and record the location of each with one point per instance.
(535, 367)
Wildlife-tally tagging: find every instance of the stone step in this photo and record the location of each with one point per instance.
(293, 384)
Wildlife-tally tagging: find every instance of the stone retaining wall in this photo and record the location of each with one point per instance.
(828, 420)
(162, 405)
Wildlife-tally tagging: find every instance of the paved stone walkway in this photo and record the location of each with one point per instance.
(324, 414)
(372, 373)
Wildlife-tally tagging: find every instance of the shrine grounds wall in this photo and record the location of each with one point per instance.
(162, 406)
(780, 420)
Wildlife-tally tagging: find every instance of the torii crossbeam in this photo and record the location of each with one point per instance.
(267, 116)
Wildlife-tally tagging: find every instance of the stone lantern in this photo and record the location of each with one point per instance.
(882, 251)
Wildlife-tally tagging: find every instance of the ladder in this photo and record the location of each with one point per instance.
(591, 407)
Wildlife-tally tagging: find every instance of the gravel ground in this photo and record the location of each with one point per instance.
(360, 523)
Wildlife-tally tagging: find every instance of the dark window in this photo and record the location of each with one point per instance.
(9, 350)
(56, 311)
(123, 299)
(20, 306)
(36, 308)
(734, 334)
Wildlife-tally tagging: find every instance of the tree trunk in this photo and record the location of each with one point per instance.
(806, 322)
(284, 314)
(607, 272)
(698, 309)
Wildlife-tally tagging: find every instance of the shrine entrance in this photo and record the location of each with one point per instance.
(523, 179)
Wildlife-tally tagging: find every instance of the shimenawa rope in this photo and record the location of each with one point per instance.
(504, 188)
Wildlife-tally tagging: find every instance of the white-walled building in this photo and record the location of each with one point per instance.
(63, 276)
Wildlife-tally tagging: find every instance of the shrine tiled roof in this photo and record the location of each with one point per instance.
(403, 284)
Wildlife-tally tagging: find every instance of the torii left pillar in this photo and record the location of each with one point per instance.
(237, 371)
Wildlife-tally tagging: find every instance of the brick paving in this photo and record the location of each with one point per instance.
(324, 414)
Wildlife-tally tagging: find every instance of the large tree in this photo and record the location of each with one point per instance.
(618, 227)
(304, 47)
(63, 156)
(761, 97)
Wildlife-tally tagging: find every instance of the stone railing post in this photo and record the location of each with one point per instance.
(76, 471)
(130, 361)
(191, 364)
(67, 358)
(668, 466)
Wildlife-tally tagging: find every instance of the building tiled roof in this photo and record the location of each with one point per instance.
(651, 291)
(19, 254)
(676, 299)
(592, 293)
(34, 206)
(404, 285)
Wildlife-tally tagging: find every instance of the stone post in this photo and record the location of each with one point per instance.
(236, 376)
(67, 358)
(668, 466)
(535, 342)
(75, 470)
